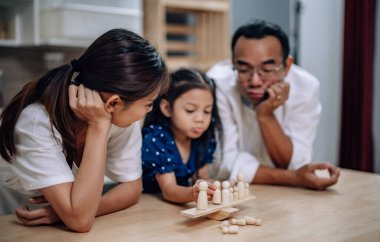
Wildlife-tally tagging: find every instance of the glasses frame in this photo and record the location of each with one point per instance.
(263, 73)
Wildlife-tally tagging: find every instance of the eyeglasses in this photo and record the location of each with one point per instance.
(265, 72)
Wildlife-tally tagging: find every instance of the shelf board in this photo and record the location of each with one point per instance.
(211, 6)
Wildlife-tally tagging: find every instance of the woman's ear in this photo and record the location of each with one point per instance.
(112, 103)
(165, 108)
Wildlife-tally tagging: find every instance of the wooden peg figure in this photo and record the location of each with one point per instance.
(231, 194)
(236, 194)
(247, 189)
(225, 193)
(217, 197)
(241, 186)
(202, 201)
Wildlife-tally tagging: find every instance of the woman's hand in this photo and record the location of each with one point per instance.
(210, 190)
(40, 216)
(88, 105)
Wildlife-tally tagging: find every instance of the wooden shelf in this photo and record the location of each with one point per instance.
(189, 33)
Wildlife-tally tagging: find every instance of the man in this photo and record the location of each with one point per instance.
(269, 109)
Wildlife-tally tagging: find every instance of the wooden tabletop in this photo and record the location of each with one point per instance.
(348, 211)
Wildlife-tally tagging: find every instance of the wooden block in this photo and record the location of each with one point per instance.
(212, 208)
(322, 173)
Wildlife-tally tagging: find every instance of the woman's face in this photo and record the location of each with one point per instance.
(132, 112)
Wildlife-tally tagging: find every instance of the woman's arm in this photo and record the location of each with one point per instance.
(71, 200)
(120, 197)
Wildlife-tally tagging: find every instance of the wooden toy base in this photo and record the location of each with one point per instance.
(223, 210)
(222, 214)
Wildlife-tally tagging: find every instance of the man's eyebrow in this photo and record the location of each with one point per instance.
(267, 62)
(240, 62)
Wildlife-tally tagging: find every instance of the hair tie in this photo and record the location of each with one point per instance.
(75, 64)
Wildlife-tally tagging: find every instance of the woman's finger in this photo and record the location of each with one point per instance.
(73, 96)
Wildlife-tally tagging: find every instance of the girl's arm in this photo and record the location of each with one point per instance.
(179, 194)
(203, 173)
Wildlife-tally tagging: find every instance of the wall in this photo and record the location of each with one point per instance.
(270, 10)
(321, 45)
(21, 65)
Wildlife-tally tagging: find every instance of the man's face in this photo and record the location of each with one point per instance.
(259, 64)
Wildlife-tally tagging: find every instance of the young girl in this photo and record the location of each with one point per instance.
(61, 139)
(178, 137)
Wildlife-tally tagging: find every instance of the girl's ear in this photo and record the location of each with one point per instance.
(112, 103)
(165, 108)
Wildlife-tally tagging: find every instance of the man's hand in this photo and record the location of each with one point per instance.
(278, 94)
(306, 176)
(40, 216)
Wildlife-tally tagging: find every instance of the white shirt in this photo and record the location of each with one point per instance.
(243, 147)
(40, 161)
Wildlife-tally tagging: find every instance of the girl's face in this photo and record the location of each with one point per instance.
(127, 114)
(191, 113)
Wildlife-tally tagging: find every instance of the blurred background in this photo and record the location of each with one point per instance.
(336, 40)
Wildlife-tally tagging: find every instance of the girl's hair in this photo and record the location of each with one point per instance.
(119, 62)
(184, 80)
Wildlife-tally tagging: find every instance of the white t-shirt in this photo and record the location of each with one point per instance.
(243, 147)
(40, 161)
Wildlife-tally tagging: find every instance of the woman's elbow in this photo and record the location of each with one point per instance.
(137, 192)
(81, 225)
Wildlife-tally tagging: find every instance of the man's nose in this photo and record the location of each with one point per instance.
(255, 79)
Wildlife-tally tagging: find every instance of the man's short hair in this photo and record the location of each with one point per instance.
(259, 29)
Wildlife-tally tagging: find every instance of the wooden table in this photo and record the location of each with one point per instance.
(348, 211)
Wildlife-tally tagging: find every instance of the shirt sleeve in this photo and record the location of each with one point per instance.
(301, 122)
(39, 161)
(233, 161)
(124, 153)
(158, 152)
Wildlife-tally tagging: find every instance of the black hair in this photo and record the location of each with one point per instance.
(259, 29)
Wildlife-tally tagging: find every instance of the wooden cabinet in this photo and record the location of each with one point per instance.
(191, 33)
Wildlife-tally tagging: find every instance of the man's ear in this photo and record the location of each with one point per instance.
(112, 103)
(165, 108)
(288, 63)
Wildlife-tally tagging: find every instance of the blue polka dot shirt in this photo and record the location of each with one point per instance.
(160, 155)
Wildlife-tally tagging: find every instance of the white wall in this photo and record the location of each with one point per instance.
(245, 10)
(321, 45)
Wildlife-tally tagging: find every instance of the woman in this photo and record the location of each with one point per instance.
(61, 137)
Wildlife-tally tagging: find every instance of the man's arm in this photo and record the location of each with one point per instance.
(278, 144)
(302, 177)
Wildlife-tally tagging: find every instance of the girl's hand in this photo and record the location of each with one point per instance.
(210, 190)
(88, 105)
(40, 216)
